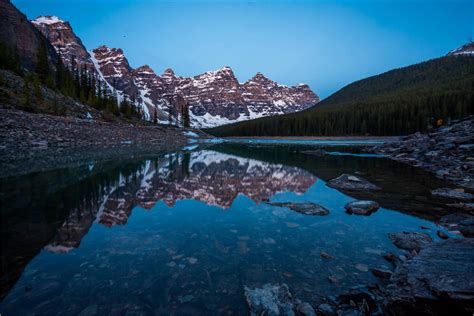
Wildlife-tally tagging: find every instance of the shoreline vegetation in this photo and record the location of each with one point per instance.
(398, 102)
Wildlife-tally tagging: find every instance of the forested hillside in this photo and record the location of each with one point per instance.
(400, 101)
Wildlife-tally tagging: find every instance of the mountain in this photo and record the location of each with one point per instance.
(400, 101)
(67, 45)
(214, 98)
(466, 49)
(22, 38)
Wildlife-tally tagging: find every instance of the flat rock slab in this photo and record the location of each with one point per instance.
(439, 280)
(454, 194)
(361, 207)
(410, 240)
(306, 208)
(270, 299)
(351, 182)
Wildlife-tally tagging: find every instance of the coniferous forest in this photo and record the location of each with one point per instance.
(401, 101)
(76, 82)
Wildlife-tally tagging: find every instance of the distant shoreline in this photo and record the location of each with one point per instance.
(355, 138)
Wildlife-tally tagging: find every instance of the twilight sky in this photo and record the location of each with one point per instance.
(326, 44)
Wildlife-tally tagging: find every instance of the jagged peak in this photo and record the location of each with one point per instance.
(104, 49)
(260, 78)
(225, 69)
(47, 19)
(169, 72)
(145, 68)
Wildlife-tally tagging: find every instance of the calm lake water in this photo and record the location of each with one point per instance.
(184, 232)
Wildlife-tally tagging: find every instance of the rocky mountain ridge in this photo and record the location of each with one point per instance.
(214, 97)
(466, 49)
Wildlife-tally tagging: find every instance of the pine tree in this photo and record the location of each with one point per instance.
(185, 115)
(170, 116)
(42, 66)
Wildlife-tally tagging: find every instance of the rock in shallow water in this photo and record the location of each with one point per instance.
(381, 273)
(410, 240)
(326, 310)
(361, 207)
(270, 299)
(305, 309)
(439, 280)
(306, 208)
(350, 182)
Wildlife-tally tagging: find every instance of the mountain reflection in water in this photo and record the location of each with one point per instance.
(207, 176)
(199, 227)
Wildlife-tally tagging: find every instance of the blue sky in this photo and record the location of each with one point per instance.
(326, 44)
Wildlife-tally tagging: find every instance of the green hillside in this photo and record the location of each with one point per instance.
(400, 101)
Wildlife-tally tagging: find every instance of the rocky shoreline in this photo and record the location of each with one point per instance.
(447, 151)
(27, 139)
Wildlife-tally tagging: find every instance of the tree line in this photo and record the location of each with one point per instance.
(79, 83)
(402, 101)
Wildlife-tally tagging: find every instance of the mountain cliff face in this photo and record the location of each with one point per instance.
(23, 38)
(68, 46)
(214, 98)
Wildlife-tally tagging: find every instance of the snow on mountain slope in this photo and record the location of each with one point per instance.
(214, 97)
(467, 49)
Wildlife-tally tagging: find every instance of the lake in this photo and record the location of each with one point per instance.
(184, 232)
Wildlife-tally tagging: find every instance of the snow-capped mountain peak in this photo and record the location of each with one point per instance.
(47, 19)
(214, 97)
(466, 49)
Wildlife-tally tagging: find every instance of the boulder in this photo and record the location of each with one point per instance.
(361, 207)
(270, 299)
(305, 309)
(439, 280)
(454, 194)
(325, 310)
(306, 208)
(410, 240)
(351, 183)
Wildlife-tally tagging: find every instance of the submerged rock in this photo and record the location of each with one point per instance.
(326, 310)
(325, 255)
(410, 240)
(305, 309)
(454, 194)
(381, 273)
(439, 280)
(351, 182)
(306, 208)
(361, 207)
(364, 302)
(442, 234)
(270, 299)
